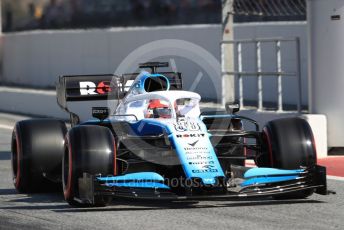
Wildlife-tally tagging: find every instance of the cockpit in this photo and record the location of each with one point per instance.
(154, 95)
(162, 105)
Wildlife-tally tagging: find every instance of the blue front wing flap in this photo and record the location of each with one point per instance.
(254, 176)
(135, 180)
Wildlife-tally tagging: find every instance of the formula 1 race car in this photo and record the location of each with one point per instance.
(158, 145)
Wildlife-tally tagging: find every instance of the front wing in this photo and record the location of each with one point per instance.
(91, 187)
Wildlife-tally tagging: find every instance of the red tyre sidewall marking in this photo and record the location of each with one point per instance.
(17, 178)
(269, 146)
(68, 189)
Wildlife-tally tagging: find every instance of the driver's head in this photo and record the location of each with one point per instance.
(156, 109)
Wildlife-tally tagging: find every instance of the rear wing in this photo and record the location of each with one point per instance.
(85, 88)
(101, 87)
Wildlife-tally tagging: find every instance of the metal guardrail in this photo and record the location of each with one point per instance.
(260, 73)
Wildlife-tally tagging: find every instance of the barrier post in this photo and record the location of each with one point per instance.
(227, 56)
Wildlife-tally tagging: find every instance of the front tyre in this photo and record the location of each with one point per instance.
(88, 149)
(288, 144)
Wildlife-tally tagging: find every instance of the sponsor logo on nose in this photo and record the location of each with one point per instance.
(190, 135)
(193, 143)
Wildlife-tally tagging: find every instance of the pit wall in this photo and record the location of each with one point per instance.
(36, 58)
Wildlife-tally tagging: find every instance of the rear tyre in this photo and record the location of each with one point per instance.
(288, 144)
(37, 148)
(88, 149)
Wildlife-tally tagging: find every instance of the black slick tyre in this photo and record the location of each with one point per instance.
(88, 149)
(37, 147)
(288, 144)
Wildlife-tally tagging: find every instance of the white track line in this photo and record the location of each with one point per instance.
(6, 127)
(335, 178)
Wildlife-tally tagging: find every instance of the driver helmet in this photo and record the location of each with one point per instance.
(157, 109)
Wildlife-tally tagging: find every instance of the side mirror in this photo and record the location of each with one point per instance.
(100, 112)
(232, 108)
